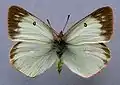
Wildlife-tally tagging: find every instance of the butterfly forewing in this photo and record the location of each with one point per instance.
(94, 28)
(23, 26)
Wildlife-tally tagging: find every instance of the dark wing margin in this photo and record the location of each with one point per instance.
(88, 59)
(105, 16)
(107, 53)
(13, 53)
(15, 15)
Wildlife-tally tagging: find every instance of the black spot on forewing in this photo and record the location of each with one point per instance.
(105, 16)
(85, 24)
(15, 15)
(34, 23)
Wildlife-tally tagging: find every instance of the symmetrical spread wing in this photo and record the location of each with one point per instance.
(87, 54)
(87, 59)
(32, 54)
(95, 28)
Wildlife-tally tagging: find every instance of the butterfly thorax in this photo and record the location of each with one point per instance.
(59, 44)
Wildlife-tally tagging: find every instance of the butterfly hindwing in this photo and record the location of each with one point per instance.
(32, 59)
(94, 28)
(87, 59)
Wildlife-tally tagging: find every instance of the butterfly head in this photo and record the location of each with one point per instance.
(60, 35)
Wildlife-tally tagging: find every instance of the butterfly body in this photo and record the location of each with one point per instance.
(38, 46)
(60, 45)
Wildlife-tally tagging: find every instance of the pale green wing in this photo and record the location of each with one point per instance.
(32, 59)
(97, 27)
(32, 55)
(87, 59)
(23, 26)
(86, 52)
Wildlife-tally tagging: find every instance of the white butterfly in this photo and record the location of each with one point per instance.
(82, 48)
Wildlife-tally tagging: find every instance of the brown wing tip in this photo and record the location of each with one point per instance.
(17, 10)
(15, 14)
(105, 16)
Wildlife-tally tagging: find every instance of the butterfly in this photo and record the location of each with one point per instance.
(82, 48)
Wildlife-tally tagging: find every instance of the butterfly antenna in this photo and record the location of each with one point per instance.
(68, 17)
(51, 26)
(49, 22)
